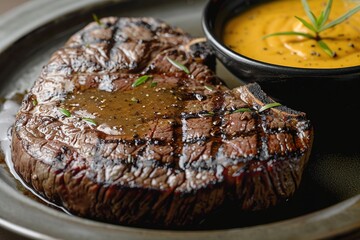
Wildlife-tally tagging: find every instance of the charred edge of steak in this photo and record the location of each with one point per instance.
(178, 172)
(262, 99)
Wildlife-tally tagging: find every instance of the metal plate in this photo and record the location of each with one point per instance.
(327, 203)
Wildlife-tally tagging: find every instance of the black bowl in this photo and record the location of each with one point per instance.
(309, 90)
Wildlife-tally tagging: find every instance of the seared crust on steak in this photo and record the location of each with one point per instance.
(185, 164)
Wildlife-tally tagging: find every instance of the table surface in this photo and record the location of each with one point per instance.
(6, 5)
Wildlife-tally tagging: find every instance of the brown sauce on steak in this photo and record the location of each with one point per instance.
(129, 112)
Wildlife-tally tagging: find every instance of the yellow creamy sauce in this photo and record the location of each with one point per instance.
(244, 35)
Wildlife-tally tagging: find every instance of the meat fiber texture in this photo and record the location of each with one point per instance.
(187, 166)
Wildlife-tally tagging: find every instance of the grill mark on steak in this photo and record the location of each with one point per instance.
(183, 164)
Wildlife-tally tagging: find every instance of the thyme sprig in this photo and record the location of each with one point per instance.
(318, 25)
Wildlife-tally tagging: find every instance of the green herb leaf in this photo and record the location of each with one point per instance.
(141, 80)
(64, 112)
(269, 105)
(308, 12)
(324, 16)
(153, 84)
(306, 24)
(90, 121)
(290, 33)
(208, 88)
(34, 102)
(178, 65)
(326, 48)
(208, 114)
(320, 20)
(242, 110)
(341, 19)
(96, 19)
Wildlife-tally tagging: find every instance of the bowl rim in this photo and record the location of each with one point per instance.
(219, 45)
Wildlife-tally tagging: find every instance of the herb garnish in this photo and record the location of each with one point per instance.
(153, 84)
(96, 19)
(269, 105)
(208, 88)
(34, 102)
(141, 80)
(90, 121)
(318, 24)
(207, 114)
(65, 112)
(263, 108)
(242, 110)
(178, 65)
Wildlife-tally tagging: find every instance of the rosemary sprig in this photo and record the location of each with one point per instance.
(89, 121)
(318, 25)
(153, 84)
(269, 105)
(208, 88)
(141, 80)
(178, 65)
(96, 19)
(242, 110)
(206, 114)
(65, 112)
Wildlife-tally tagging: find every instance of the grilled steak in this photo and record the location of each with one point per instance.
(115, 129)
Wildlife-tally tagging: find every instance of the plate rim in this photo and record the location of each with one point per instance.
(311, 225)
